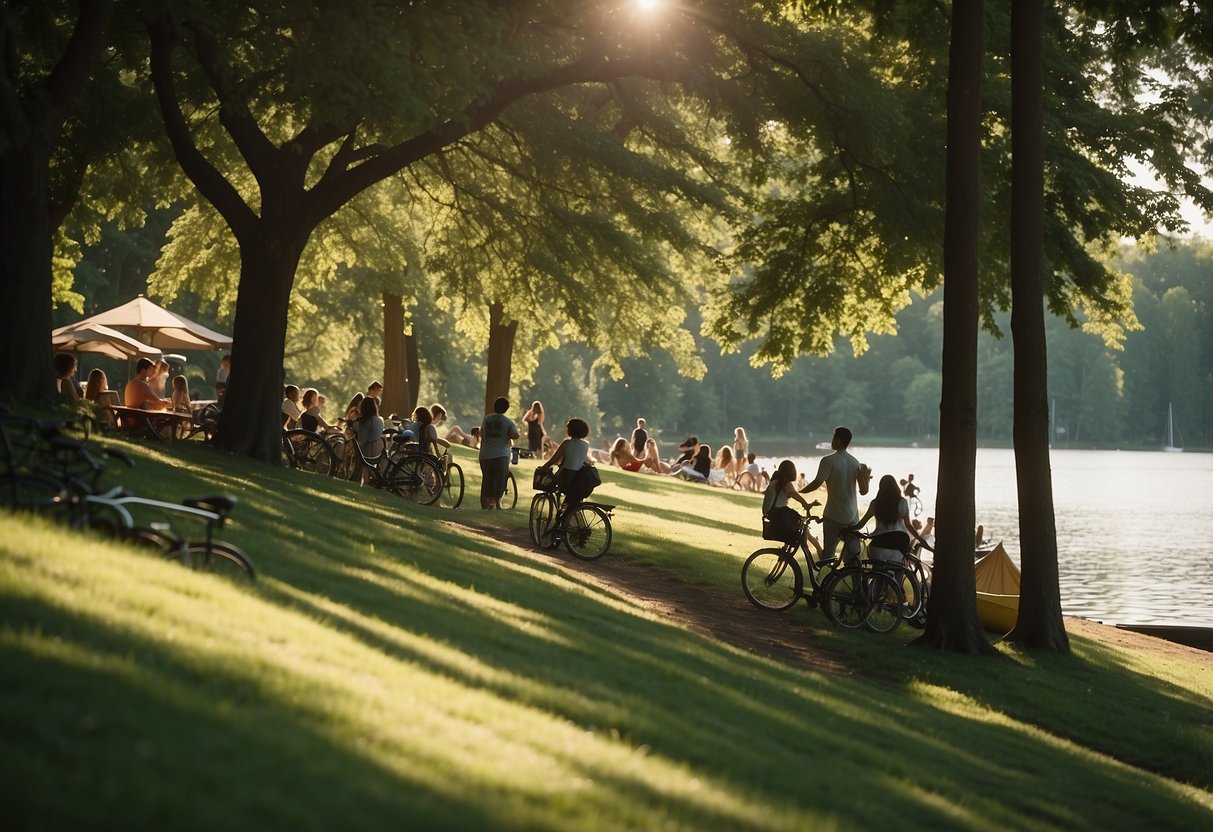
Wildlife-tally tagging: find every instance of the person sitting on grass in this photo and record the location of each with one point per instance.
(652, 458)
(698, 469)
(469, 439)
(722, 468)
(749, 478)
(621, 455)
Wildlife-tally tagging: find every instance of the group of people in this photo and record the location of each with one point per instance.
(845, 479)
(733, 466)
(148, 389)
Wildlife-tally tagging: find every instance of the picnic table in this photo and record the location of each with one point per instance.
(153, 424)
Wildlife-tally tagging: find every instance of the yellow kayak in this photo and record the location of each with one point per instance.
(997, 579)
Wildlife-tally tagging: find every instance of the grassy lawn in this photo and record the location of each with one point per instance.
(392, 668)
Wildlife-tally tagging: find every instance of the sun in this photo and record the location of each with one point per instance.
(647, 5)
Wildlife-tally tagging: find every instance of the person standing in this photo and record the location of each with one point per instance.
(841, 474)
(497, 433)
(640, 438)
(535, 431)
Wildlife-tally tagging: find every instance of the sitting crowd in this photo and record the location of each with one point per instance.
(734, 466)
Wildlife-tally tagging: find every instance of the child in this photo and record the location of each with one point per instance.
(181, 395)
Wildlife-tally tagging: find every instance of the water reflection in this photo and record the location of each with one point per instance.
(1132, 526)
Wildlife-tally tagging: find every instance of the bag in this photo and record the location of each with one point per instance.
(782, 524)
(586, 481)
(544, 479)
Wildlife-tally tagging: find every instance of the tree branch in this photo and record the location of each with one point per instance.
(209, 181)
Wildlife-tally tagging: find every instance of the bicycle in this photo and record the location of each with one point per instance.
(585, 528)
(864, 593)
(305, 450)
(452, 481)
(772, 578)
(409, 474)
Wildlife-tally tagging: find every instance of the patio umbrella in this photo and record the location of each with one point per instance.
(159, 327)
(98, 339)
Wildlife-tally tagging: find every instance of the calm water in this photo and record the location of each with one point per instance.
(1133, 527)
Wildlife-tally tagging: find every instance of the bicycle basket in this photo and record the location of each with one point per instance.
(544, 480)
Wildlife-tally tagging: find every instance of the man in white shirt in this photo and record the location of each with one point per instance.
(841, 473)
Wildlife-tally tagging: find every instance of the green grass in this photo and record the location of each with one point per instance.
(394, 668)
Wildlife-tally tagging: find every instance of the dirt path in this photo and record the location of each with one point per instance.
(729, 617)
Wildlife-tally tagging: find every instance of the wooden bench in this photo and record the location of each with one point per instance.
(161, 425)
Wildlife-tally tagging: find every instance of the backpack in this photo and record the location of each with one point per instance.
(770, 495)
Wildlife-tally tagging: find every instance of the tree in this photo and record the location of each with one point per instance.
(1039, 624)
(952, 615)
(312, 128)
(43, 73)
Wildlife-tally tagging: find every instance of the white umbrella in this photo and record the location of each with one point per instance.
(159, 327)
(100, 340)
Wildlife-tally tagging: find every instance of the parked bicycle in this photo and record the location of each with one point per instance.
(584, 528)
(404, 472)
(452, 481)
(851, 592)
(305, 450)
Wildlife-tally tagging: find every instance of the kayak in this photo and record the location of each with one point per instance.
(997, 580)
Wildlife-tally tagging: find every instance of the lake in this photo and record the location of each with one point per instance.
(1130, 524)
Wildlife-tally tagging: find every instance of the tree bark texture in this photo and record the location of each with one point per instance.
(952, 622)
(412, 367)
(1040, 623)
(251, 423)
(31, 122)
(501, 356)
(396, 397)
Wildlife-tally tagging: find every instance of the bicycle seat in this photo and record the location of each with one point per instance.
(221, 504)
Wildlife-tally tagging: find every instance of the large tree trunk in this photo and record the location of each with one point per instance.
(32, 114)
(1040, 623)
(501, 356)
(25, 273)
(396, 397)
(251, 423)
(952, 622)
(412, 367)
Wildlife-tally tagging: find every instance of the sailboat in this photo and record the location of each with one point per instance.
(1170, 446)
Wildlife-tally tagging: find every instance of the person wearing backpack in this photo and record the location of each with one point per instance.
(783, 519)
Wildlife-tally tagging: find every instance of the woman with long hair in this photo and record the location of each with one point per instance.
(785, 519)
(621, 455)
(892, 514)
(534, 428)
(652, 458)
(741, 443)
(722, 468)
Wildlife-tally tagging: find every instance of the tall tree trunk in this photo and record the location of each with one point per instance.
(32, 114)
(412, 367)
(25, 273)
(952, 622)
(396, 397)
(501, 356)
(1040, 623)
(251, 423)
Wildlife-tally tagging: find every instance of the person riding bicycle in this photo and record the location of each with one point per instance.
(891, 538)
(571, 457)
(784, 519)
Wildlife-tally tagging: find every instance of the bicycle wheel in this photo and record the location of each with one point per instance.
(307, 451)
(885, 602)
(510, 498)
(771, 580)
(35, 493)
(219, 559)
(452, 487)
(587, 532)
(845, 601)
(911, 590)
(543, 517)
(414, 477)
